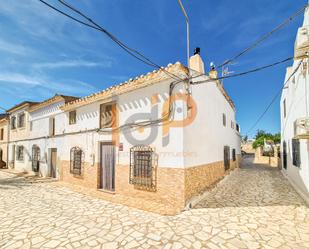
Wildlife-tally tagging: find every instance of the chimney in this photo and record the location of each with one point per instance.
(196, 62)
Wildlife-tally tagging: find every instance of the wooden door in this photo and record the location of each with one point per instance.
(13, 156)
(53, 163)
(35, 158)
(107, 167)
(226, 157)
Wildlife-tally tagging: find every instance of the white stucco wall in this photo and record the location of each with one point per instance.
(129, 104)
(297, 98)
(295, 95)
(205, 138)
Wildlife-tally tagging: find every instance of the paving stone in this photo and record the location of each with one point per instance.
(253, 207)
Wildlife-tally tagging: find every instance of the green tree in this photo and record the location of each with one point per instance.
(261, 135)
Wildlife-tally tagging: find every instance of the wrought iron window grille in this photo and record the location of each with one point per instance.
(76, 161)
(143, 168)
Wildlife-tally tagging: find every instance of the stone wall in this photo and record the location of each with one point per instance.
(200, 178)
(175, 187)
(271, 161)
(167, 199)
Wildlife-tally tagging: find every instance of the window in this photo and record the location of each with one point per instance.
(31, 125)
(142, 170)
(107, 115)
(52, 126)
(72, 117)
(21, 120)
(232, 125)
(1, 134)
(296, 152)
(234, 155)
(20, 153)
(76, 161)
(224, 119)
(284, 108)
(13, 123)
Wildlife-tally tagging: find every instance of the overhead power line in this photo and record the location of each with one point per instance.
(266, 36)
(240, 74)
(274, 98)
(93, 25)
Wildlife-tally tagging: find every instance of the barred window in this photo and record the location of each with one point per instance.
(20, 153)
(21, 120)
(296, 152)
(13, 123)
(76, 161)
(72, 117)
(234, 155)
(142, 168)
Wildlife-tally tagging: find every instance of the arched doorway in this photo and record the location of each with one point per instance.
(35, 158)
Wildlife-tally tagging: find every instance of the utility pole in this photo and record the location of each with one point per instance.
(188, 44)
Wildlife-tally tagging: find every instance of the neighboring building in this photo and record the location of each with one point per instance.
(3, 140)
(18, 152)
(295, 115)
(247, 146)
(46, 123)
(144, 142)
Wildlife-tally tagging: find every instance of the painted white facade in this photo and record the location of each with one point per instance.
(196, 143)
(207, 136)
(294, 106)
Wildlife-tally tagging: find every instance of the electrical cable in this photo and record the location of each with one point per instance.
(274, 98)
(266, 36)
(240, 74)
(97, 27)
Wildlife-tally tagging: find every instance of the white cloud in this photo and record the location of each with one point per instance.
(26, 82)
(19, 79)
(12, 48)
(72, 63)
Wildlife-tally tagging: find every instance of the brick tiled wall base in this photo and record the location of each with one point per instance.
(89, 177)
(200, 178)
(167, 200)
(174, 186)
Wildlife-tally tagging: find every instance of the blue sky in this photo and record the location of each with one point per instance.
(43, 53)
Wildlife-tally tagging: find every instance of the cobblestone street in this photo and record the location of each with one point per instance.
(253, 207)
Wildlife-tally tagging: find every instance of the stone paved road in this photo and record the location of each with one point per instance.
(254, 207)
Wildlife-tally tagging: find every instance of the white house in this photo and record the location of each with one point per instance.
(45, 121)
(18, 136)
(295, 115)
(152, 163)
(154, 142)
